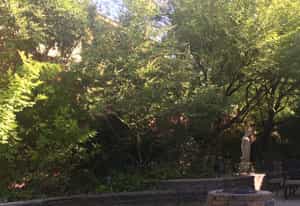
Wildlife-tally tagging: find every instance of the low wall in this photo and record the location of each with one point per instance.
(201, 187)
(190, 192)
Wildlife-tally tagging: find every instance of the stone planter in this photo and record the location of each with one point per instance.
(220, 198)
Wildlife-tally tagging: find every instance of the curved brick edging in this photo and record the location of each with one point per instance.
(170, 193)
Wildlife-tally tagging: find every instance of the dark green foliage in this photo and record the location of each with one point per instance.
(160, 93)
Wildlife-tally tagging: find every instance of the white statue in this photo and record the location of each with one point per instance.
(245, 166)
(247, 140)
(246, 147)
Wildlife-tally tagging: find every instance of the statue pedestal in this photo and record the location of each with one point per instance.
(245, 168)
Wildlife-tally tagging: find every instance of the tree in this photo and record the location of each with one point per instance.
(238, 46)
(30, 31)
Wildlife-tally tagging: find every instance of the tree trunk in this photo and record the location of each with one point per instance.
(266, 140)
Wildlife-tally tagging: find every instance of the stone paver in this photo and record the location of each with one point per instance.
(292, 201)
(287, 203)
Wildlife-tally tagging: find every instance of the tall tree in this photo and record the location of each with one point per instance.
(241, 48)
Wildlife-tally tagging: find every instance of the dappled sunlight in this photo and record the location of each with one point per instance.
(102, 96)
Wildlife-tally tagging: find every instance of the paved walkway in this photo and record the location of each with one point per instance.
(293, 201)
(288, 202)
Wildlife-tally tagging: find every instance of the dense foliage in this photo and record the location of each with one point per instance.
(93, 104)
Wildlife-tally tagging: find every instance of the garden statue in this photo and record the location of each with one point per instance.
(247, 140)
(246, 147)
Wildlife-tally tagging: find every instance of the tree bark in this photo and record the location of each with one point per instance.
(266, 141)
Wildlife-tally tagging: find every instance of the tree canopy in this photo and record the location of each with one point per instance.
(162, 85)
